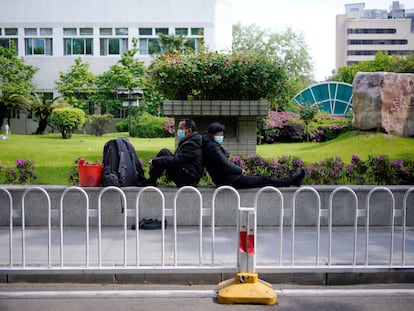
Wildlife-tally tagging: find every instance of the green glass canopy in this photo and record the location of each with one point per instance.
(332, 97)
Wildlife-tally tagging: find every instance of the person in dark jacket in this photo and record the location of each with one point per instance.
(185, 166)
(223, 172)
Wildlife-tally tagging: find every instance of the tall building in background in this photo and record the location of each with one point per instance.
(361, 33)
(51, 34)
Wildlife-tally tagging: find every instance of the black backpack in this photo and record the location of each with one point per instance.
(121, 166)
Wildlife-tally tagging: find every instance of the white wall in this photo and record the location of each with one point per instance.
(212, 15)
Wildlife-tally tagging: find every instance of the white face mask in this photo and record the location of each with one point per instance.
(219, 139)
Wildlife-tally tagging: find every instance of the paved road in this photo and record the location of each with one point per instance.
(33, 297)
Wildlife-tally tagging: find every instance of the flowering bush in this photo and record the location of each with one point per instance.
(169, 127)
(287, 127)
(326, 172)
(377, 170)
(23, 173)
(356, 171)
(285, 166)
(215, 76)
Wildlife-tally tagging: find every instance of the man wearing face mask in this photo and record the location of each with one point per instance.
(223, 172)
(185, 166)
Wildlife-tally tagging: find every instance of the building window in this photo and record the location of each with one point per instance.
(163, 31)
(145, 31)
(46, 31)
(105, 31)
(121, 31)
(373, 52)
(372, 31)
(113, 46)
(69, 32)
(8, 37)
(30, 31)
(6, 42)
(11, 32)
(148, 41)
(197, 31)
(86, 31)
(78, 46)
(149, 46)
(74, 45)
(378, 42)
(181, 31)
(38, 46)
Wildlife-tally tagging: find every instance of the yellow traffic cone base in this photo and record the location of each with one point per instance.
(246, 288)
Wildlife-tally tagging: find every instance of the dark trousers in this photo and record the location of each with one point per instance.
(250, 181)
(176, 174)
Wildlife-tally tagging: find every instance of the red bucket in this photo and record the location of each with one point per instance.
(90, 175)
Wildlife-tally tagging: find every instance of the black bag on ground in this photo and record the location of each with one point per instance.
(121, 166)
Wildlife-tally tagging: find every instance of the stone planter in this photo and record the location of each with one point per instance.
(239, 117)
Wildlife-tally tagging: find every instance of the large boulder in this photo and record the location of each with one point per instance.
(366, 102)
(383, 100)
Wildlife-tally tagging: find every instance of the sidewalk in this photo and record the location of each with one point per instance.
(226, 249)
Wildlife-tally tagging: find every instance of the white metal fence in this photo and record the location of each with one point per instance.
(246, 247)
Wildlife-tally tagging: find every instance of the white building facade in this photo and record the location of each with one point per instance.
(51, 34)
(361, 33)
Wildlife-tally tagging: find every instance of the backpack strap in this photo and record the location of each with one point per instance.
(121, 156)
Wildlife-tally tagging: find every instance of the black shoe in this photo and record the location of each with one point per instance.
(298, 177)
(140, 224)
(150, 224)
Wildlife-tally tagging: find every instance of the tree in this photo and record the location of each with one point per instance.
(67, 120)
(171, 44)
(288, 47)
(128, 73)
(42, 108)
(381, 62)
(15, 83)
(77, 84)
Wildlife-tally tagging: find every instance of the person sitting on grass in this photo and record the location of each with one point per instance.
(223, 172)
(185, 166)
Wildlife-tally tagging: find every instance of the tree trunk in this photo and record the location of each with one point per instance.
(3, 112)
(42, 127)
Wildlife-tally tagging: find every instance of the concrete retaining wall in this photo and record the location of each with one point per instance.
(269, 204)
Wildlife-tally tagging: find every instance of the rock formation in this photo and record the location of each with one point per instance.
(384, 100)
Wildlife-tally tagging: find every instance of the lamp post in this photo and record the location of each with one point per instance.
(129, 98)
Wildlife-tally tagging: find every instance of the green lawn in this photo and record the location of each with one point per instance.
(362, 144)
(54, 156)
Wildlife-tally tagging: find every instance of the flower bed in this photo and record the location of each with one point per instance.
(377, 170)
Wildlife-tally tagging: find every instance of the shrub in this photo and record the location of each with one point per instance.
(238, 76)
(328, 127)
(287, 127)
(122, 126)
(281, 127)
(67, 120)
(169, 127)
(356, 171)
(382, 172)
(326, 172)
(285, 166)
(150, 126)
(376, 170)
(98, 122)
(23, 173)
